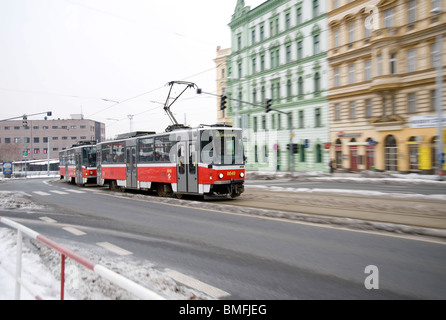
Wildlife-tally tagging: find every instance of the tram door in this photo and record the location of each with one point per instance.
(78, 157)
(187, 167)
(131, 167)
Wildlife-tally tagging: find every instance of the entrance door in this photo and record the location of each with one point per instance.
(187, 167)
(131, 167)
(353, 158)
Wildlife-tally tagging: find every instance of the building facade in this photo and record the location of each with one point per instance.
(383, 87)
(279, 54)
(40, 137)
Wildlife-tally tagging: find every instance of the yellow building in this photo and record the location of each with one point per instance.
(383, 83)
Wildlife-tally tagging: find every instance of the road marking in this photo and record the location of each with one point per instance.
(58, 192)
(113, 248)
(74, 231)
(49, 220)
(41, 193)
(74, 191)
(197, 284)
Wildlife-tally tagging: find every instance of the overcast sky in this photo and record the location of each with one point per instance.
(69, 56)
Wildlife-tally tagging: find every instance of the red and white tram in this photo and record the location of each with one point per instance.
(78, 163)
(207, 161)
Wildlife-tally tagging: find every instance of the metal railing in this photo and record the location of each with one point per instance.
(119, 280)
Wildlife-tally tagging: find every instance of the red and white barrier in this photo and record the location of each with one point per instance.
(132, 287)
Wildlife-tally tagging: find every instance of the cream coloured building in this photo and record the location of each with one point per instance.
(382, 83)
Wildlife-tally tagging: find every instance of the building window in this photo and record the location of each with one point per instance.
(412, 11)
(433, 100)
(299, 15)
(336, 77)
(379, 64)
(351, 33)
(289, 89)
(411, 60)
(316, 44)
(262, 32)
(336, 38)
(393, 63)
(315, 8)
(300, 86)
(317, 83)
(287, 21)
(301, 119)
(317, 118)
(368, 108)
(352, 110)
(389, 18)
(300, 51)
(253, 36)
(36, 140)
(368, 70)
(262, 62)
(337, 112)
(351, 74)
(288, 53)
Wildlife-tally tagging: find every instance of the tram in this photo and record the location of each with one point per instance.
(77, 164)
(207, 161)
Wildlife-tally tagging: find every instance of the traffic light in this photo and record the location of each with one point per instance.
(268, 105)
(25, 120)
(223, 102)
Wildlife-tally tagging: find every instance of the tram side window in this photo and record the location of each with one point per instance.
(71, 158)
(146, 150)
(118, 152)
(162, 149)
(107, 156)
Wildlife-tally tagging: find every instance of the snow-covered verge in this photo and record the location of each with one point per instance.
(41, 273)
(41, 267)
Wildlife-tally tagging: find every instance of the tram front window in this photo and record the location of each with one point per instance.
(89, 156)
(222, 147)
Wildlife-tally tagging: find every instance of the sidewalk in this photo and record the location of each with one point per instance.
(359, 177)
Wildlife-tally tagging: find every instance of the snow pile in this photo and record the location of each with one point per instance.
(17, 200)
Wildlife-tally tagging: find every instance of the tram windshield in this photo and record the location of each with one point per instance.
(89, 156)
(223, 147)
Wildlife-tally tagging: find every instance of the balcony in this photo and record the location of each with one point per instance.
(386, 82)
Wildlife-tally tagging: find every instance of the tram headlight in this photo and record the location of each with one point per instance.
(242, 175)
(220, 175)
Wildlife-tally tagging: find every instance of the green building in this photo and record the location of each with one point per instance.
(279, 53)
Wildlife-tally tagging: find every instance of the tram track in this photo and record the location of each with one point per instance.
(420, 215)
(419, 212)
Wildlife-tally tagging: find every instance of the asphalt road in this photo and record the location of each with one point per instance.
(248, 257)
